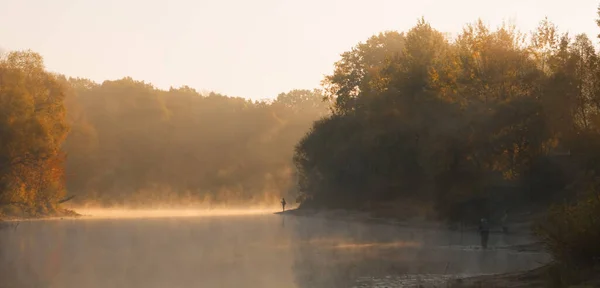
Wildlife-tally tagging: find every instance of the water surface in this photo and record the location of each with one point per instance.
(251, 251)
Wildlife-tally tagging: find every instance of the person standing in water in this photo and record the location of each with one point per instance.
(283, 204)
(484, 231)
(504, 224)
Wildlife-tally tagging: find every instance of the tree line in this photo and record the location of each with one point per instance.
(126, 142)
(487, 119)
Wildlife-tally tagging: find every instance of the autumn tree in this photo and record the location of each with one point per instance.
(33, 128)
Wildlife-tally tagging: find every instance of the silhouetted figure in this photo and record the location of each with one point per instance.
(283, 203)
(503, 221)
(484, 231)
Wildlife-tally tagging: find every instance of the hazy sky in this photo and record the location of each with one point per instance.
(249, 48)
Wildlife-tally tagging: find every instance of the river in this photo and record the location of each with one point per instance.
(258, 250)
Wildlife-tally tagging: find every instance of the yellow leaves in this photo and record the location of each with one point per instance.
(434, 77)
(26, 61)
(33, 129)
(379, 83)
(509, 175)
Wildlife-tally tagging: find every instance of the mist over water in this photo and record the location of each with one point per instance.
(241, 248)
(122, 213)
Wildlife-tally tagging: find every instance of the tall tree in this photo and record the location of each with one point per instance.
(33, 128)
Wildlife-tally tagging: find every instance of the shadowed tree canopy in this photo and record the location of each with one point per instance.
(420, 118)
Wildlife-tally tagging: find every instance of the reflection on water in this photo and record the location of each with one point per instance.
(403, 258)
(243, 251)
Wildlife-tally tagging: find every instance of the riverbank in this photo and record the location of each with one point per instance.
(545, 276)
(61, 213)
(530, 279)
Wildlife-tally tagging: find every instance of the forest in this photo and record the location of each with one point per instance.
(491, 120)
(125, 142)
(134, 145)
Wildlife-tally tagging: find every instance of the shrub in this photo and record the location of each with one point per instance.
(571, 232)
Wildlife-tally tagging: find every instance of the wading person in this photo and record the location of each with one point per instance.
(484, 232)
(283, 204)
(504, 224)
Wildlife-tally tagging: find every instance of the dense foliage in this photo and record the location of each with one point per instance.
(32, 130)
(490, 120)
(572, 231)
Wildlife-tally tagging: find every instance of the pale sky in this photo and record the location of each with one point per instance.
(249, 48)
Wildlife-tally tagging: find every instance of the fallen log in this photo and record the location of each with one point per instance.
(66, 199)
